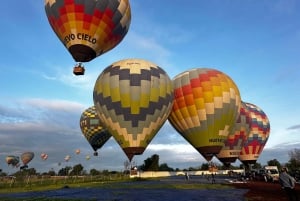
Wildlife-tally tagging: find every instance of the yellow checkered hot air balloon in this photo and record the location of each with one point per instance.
(88, 28)
(133, 98)
(206, 106)
(93, 130)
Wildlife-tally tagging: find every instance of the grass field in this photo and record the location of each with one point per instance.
(34, 184)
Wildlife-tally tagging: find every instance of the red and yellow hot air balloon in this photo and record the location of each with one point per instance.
(93, 130)
(236, 139)
(133, 98)
(44, 156)
(206, 106)
(257, 137)
(88, 28)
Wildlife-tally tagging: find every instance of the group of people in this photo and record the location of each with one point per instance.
(288, 183)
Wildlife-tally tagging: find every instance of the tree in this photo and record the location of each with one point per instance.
(64, 171)
(151, 164)
(165, 167)
(274, 162)
(204, 166)
(294, 163)
(94, 172)
(77, 170)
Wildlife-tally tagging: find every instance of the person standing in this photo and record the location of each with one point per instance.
(287, 182)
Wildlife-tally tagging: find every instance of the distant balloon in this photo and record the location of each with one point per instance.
(67, 158)
(257, 137)
(206, 106)
(93, 130)
(77, 151)
(12, 160)
(236, 139)
(133, 98)
(44, 156)
(26, 157)
(87, 157)
(89, 28)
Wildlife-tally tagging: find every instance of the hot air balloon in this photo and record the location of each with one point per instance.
(88, 28)
(87, 157)
(26, 157)
(67, 158)
(77, 151)
(44, 156)
(236, 139)
(206, 106)
(12, 160)
(257, 137)
(93, 130)
(133, 98)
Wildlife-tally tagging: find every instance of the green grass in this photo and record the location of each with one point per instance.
(125, 183)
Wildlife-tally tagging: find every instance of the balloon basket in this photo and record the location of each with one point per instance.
(78, 70)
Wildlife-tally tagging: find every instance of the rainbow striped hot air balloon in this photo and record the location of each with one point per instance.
(93, 130)
(88, 28)
(133, 98)
(236, 139)
(257, 137)
(206, 106)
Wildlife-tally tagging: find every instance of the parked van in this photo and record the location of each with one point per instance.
(270, 173)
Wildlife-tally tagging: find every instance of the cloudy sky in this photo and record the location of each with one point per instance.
(256, 43)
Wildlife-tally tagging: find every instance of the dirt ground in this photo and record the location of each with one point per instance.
(262, 191)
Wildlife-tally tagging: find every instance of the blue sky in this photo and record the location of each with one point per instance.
(255, 42)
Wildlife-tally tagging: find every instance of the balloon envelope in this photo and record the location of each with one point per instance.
(26, 157)
(12, 160)
(44, 156)
(257, 137)
(236, 139)
(133, 98)
(89, 28)
(92, 128)
(206, 106)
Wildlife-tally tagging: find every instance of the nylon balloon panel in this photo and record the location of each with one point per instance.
(89, 28)
(206, 105)
(236, 139)
(258, 135)
(133, 98)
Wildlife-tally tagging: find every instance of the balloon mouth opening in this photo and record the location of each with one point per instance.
(82, 53)
(227, 160)
(208, 152)
(131, 151)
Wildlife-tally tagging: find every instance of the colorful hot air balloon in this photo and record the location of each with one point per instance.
(26, 157)
(93, 130)
(236, 139)
(88, 28)
(257, 137)
(206, 106)
(44, 156)
(12, 160)
(133, 98)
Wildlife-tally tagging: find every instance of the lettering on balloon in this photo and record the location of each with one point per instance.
(234, 153)
(79, 36)
(215, 140)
